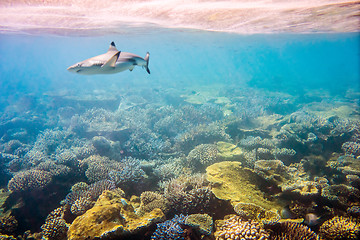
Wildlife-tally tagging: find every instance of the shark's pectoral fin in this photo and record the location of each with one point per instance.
(112, 61)
(131, 68)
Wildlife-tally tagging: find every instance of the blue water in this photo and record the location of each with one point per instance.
(36, 64)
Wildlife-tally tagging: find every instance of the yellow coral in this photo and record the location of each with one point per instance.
(111, 216)
(230, 181)
(339, 228)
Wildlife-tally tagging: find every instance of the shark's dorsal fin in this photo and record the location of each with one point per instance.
(112, 47)
(112, 61)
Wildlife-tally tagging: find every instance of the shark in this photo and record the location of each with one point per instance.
(113, 61)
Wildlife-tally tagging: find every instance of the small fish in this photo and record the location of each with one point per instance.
(113, 61)
(311, 219)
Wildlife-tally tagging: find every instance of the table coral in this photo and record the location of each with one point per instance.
(340, 228)
(235, 228)
(111, 217)
(230, 181)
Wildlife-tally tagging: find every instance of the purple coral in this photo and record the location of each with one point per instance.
(29, 180)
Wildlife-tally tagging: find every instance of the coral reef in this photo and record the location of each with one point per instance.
(230, 181)
(202, 223)
(250, 211)
(117, 216)
(235, 228)
(80, 199)
(340, 228)
(151, 200)
(188, 194)
(8, 224)
(55, 227)
(202, 156)
(171, 229)
(290, 230)
(29, 180)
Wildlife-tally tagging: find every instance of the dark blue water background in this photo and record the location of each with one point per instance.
(293, 63)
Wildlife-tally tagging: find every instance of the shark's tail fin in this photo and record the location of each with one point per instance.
(147, 62)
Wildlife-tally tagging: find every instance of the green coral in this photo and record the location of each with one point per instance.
(201, 222)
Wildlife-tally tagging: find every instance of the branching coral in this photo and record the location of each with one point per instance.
(202, 156)
(235, 228)
(82, 199)
(188, 194)
(170, 229)
(151, 200)
(290, 231)
(340, 228)
(55, 227)
(29, 180)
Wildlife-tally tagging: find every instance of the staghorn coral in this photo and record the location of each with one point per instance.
(202, 156)
(340, 228)
(29, 180)
(55, 227)
(171, 229)
(151, 200)
(290, 230)
(235, 228)
(202, 223)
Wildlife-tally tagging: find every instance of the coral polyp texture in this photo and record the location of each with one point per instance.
(55, 227)
(340, 228)
(29, 180)
(171, 229)
(202, 156)
(290, 230)
(202, 223)
(235, 228)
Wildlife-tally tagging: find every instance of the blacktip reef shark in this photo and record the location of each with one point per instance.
(113, 61)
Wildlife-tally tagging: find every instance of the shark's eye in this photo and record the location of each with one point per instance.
(78, 65)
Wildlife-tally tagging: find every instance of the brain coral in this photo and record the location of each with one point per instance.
(234, 228)
(340, 228)
(29, 180)
(290, 231)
